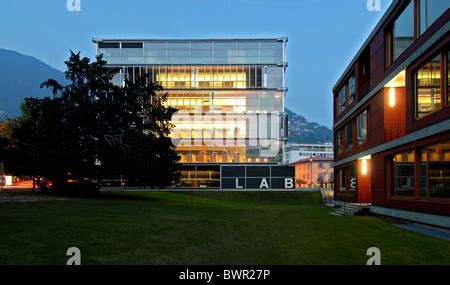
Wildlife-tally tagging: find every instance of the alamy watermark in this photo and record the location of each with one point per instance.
(374, 5)
(75, 256)
(375, 256)
(259, 130)
(73, 5)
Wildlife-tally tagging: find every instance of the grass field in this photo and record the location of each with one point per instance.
(204, 228)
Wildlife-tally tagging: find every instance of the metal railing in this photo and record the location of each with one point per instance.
(394, 131)
(361, 199)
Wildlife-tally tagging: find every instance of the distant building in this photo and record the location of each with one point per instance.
(298, 151)
(392, 116)
(230, 99)
(314, 172)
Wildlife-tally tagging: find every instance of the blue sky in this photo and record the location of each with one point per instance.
(323, 35)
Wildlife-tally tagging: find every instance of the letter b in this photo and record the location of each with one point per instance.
(289, 183)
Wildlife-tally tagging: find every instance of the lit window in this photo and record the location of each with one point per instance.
(435, 171)
(428, 88)
(403, 171)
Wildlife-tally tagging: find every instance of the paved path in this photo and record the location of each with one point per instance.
(427, 230)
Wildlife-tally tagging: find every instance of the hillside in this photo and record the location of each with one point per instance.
(21, 77)
(303, 131)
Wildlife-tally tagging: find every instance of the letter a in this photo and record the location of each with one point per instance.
(73, 5)
(264, 184)
(374, 5)
(375, 254)
(75, 254)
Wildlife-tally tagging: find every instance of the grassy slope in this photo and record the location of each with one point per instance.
(204, 228)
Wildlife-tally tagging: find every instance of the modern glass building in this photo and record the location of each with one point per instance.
(229, 93)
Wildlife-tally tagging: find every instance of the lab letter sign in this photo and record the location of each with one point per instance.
(257, 177)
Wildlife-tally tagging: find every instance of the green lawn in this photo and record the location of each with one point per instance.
(204, 228)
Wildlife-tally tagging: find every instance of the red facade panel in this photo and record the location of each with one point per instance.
(387, 123)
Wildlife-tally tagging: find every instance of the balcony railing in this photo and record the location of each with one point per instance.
(394, 131)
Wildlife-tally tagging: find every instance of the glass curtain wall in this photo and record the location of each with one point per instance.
(194, 52)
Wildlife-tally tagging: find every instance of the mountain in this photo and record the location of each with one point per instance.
(21, 77)
(303, 131)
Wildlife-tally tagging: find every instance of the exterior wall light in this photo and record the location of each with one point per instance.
(392, 97)
(364, 167)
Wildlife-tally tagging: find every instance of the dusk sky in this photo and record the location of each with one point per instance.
(323, 35)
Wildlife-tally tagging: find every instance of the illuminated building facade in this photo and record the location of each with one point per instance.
(392, 116)
(229, 94)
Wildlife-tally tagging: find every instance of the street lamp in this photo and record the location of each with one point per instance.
(310, 166)
(324, 172)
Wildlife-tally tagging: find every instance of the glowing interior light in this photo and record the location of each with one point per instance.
(392, 97)
(364, 166)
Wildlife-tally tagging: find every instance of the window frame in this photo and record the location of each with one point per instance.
(339, 142)
(389, 46)
(351, 101)
(444, 84)
(427, 171)
(347, 148)
(390, 174)
(346, 88)
(394, 179)
(358, 144)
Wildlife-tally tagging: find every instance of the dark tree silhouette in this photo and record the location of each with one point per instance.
(93, 129)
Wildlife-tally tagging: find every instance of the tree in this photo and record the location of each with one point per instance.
(91, 128)
(138, 143)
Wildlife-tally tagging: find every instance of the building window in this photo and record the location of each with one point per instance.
(362, 128)
(403, 170)
(435, 171)
(351, 89)
(352, 178)
(339, 141)
(430, 11)
(342, 99)
(341, 180)
(428, 88)
(349, 136)
(403, 31)
(448, 78)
